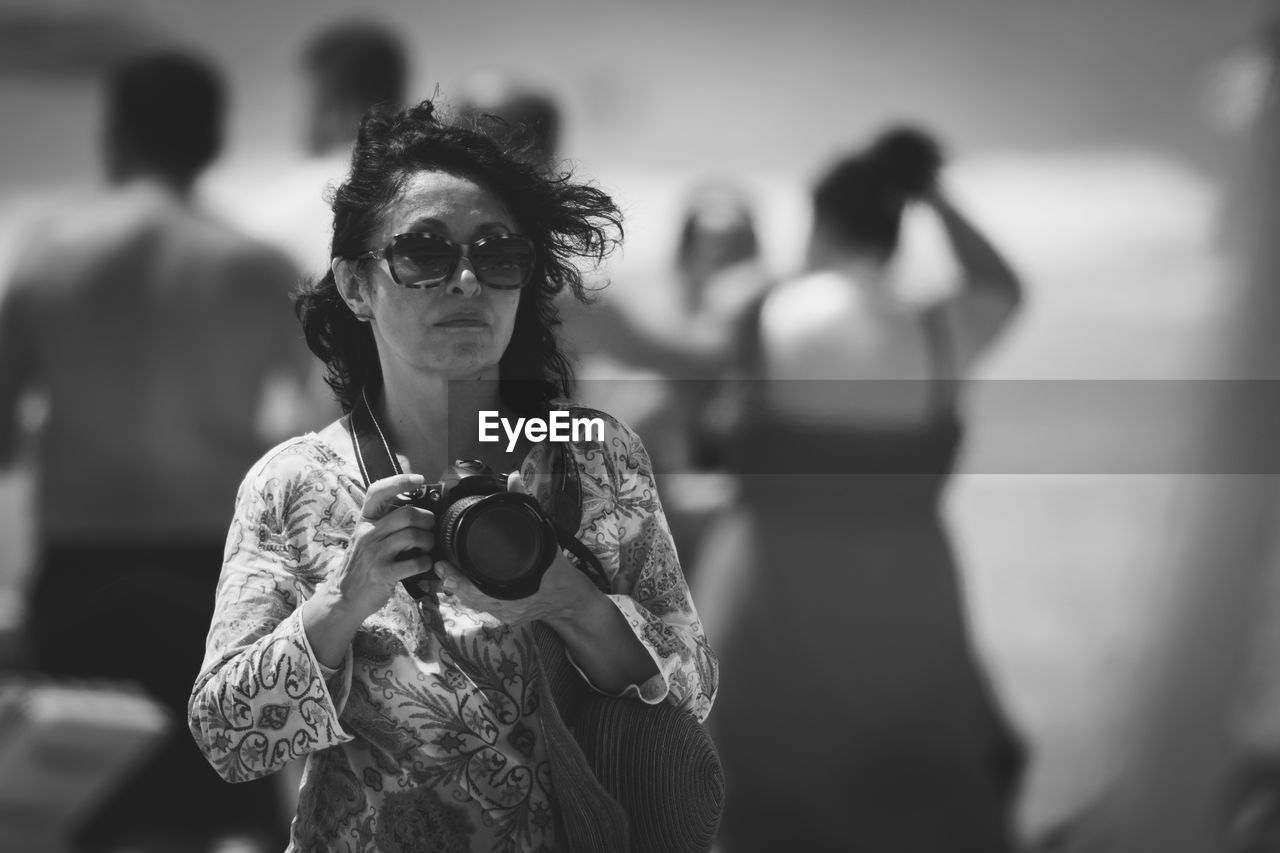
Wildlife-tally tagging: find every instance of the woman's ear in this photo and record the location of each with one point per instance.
(352, 286)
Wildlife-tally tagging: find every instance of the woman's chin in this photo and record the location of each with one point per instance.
(464, 363)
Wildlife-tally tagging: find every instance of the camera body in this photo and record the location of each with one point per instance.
(502, 541)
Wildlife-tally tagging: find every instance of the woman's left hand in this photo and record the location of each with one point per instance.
(562, 592)
(596, 635)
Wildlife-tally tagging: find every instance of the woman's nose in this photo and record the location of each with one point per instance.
(463, 282)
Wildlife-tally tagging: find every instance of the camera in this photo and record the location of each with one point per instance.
(502, 541)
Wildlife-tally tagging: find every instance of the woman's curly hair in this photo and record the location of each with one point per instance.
(566, 220)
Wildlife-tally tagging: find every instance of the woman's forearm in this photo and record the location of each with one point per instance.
(699, 346)
(985, 269)
(599, 640)
(330, 626)
(248, 726)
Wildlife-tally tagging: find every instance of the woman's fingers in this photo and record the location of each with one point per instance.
(406, 516)
(407, 543)
(401, 524)
(457, 589)
(454, 582)
(384, 495)
(417, 565)
(448, 576)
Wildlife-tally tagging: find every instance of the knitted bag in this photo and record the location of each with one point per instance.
(628, 776)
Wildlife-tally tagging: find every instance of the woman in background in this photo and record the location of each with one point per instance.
(718, 275)
(854, 714)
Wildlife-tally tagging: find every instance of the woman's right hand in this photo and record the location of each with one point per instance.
(376, 558)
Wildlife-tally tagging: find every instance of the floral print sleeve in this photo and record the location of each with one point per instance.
(262, 699)
(648, 585)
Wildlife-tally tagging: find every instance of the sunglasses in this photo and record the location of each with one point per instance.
(502, 261)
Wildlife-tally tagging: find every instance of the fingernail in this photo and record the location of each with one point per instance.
(417, 479)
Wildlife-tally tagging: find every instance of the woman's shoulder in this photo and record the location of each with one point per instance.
(606, 447)
(592, 426)
(299, 458)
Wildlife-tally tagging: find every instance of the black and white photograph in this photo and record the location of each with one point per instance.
(839, 426)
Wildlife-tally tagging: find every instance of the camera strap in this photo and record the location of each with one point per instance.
(373, 451)
(376, 460)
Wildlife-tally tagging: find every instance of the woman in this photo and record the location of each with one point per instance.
(423, 724)
(855, 716)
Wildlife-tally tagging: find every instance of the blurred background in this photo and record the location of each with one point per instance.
(1101, 144)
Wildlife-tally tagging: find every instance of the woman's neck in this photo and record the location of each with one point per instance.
(433, 420)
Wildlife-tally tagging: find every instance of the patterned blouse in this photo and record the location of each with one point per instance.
(428, 736)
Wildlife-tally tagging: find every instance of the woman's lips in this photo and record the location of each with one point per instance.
(463, 323)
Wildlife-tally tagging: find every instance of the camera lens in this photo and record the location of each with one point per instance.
(499, 541)
(502, 542)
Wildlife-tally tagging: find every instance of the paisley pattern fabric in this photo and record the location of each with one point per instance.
(429, 736)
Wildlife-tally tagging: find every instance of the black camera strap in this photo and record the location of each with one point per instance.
(376, 460)
(373, 451)
(588, 563)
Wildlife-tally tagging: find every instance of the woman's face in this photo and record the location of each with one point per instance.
(460, 328)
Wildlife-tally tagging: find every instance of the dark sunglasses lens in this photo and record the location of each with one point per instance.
(503, 262)
(422, 259)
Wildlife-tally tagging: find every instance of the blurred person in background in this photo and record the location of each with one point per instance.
(718, 240)
(150, 328)
(855, 715)
(719, 275)
(426, 724)
(526, 114)
(349, 67)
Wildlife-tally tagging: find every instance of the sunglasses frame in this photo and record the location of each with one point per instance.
(461, 250)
